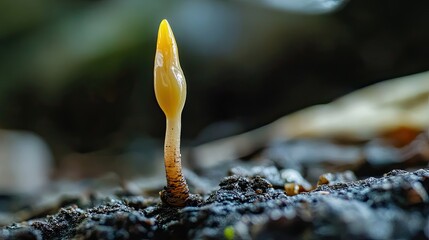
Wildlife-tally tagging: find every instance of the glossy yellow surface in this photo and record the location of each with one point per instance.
(170, 84)
(170, 91)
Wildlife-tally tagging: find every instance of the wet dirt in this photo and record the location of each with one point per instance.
(394, 206)
(271, 195)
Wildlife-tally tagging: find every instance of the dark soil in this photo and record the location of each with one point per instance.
(266, 196)
(395, 206)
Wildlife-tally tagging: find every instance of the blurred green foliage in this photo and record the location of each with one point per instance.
(80, 72)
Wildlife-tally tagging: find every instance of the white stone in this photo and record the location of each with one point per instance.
(25, 162)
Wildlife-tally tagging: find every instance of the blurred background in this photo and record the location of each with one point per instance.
(76, 77)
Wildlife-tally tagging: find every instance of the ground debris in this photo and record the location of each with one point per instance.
(334, 178)
(249, 207)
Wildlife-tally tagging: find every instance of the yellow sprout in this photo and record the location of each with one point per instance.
(170, 91)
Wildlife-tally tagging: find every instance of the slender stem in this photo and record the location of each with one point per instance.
(177, 192)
